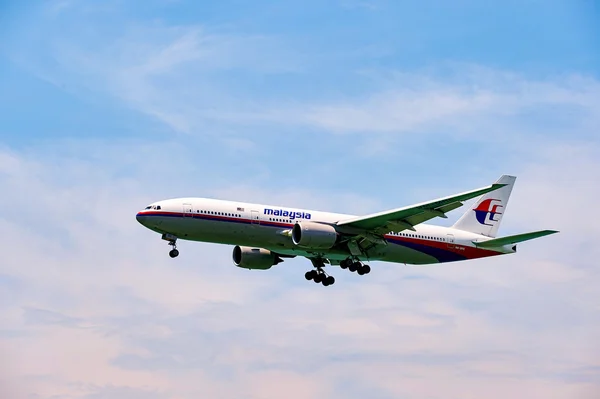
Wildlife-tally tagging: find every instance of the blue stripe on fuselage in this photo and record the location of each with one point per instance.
(441, 254)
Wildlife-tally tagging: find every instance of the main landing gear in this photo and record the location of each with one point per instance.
(355, 266)
(318, 275)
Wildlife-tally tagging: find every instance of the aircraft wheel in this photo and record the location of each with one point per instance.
(354, 266)
(318, 278)
(330, 280)
(173, 253)
(366, 269)
(308, 275)
(345, 263)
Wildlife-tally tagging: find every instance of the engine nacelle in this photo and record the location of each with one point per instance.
(314, 235)
(254, 258)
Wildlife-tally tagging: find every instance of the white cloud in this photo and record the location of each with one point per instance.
(106, 312)
(471, 101)
(202, 80)
(91, 305)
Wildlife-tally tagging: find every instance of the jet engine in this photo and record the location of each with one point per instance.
(314, 235)
(254, 258)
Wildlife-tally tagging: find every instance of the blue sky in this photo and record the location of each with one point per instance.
(351, 106)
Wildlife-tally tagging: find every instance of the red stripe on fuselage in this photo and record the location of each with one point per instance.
(466, 251)
(219, 218)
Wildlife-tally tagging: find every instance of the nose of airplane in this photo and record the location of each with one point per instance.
(140, 217)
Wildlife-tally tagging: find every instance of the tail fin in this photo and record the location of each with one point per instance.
(486, 215)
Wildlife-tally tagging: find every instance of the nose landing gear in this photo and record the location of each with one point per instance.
(173, 253)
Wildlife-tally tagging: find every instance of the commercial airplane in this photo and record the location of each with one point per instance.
(264, 235)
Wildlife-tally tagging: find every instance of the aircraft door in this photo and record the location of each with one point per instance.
(187, 210)
(450, 240)
(255, 217)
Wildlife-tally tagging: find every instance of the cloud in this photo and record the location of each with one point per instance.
(472, 102)
(91, 306)
(107, 313)
(177, 74)
(208, 80)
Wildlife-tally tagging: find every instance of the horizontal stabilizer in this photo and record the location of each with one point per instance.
(500, 242)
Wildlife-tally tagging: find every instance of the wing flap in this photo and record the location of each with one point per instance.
(508, 240)
(406, 217)
(431, 213)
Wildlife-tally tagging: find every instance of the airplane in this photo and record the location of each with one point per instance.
(264, 235)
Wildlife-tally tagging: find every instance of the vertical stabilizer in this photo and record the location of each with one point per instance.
(485, 216)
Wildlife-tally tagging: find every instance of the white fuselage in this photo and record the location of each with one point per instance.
(269, 227)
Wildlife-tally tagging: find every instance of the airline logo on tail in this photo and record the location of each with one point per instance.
(485, 208)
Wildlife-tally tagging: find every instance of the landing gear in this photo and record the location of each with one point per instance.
(355, 266)
(318, 275)
(364, 269)
(173, 253)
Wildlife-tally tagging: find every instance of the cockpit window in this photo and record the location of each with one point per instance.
(149, 206)
(158, 207)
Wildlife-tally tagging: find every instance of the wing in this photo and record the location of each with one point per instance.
(407, 217)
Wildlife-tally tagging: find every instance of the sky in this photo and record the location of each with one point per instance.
(352, 106)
